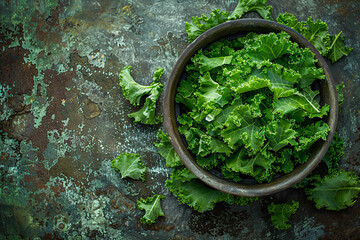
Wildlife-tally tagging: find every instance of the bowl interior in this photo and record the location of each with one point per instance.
(234, 29)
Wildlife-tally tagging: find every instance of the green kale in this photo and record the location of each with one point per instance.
(152, 208)
(199, 25)
(255, 110)
(280, 214)
(196, 194)
(330, 46)
(258, 6)
(166, 150)
(193, 192)
(337, 48)
(334, 154)
(129, 165)
(336, 191)
(339, 90)
(134, 92)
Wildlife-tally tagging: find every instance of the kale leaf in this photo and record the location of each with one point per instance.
(248, 110)
(280, 214)
(330, 46)
(152, 208)
(134, 92)
(129, 165)
(335, 191)
(199, 25)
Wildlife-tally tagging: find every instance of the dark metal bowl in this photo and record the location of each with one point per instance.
(226, 30)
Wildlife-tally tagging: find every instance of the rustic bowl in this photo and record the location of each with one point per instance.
(237, 28)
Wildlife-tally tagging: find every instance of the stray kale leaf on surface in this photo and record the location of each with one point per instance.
(134, 92)
(129, 165)
(336, 191)
(152, 208)
(280, 214)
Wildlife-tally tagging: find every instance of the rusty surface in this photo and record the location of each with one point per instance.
(62, 59)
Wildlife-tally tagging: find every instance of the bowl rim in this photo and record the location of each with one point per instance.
(169, 116)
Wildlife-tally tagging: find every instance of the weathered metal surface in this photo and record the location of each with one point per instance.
(66, 119)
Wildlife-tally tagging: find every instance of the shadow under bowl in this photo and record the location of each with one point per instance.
(226, 30)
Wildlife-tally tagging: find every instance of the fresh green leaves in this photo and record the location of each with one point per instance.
(196, 194)
(134, 92)
(336, 191)
(334, 154)
(152, 208)
(166, 150)
(258, 6)
(129, 165)
(330, 46)
(337, 48)
(199, 25)
(280, 214)
(259, 110)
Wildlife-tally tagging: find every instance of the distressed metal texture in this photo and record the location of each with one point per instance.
(64, 118)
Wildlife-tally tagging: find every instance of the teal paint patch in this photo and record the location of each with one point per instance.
(14, 169)
(56, 148)
(15, 43)
(5, 110)
(38, 108)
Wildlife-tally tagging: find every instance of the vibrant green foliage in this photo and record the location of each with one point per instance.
(247, 101)
(199, 25)
(129, 165)
(280, 214)
(152, 208)
(336, 191)
(134, 92)
(166, 150)
(330, 46)
(196, 194)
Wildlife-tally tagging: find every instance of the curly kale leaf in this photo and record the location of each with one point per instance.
(245, 6)
(339, 90)
(166, 150)
(259, 166)
(337, 48)
(208, 92)
(203, 63)
(280, 214)
(291, 21)
(267, 47)
(193, 192)
(280, 134)
(334, 154)
(304, 62)
(335, 191)
(329, 46)
(129, 165)
(312, 133)
(243, 128)
(199, 25)
(304, 100)
(152, 208)
(134, 92)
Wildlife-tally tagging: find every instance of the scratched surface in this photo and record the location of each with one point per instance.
(64, 118)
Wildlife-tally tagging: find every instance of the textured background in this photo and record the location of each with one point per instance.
(64, 118)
